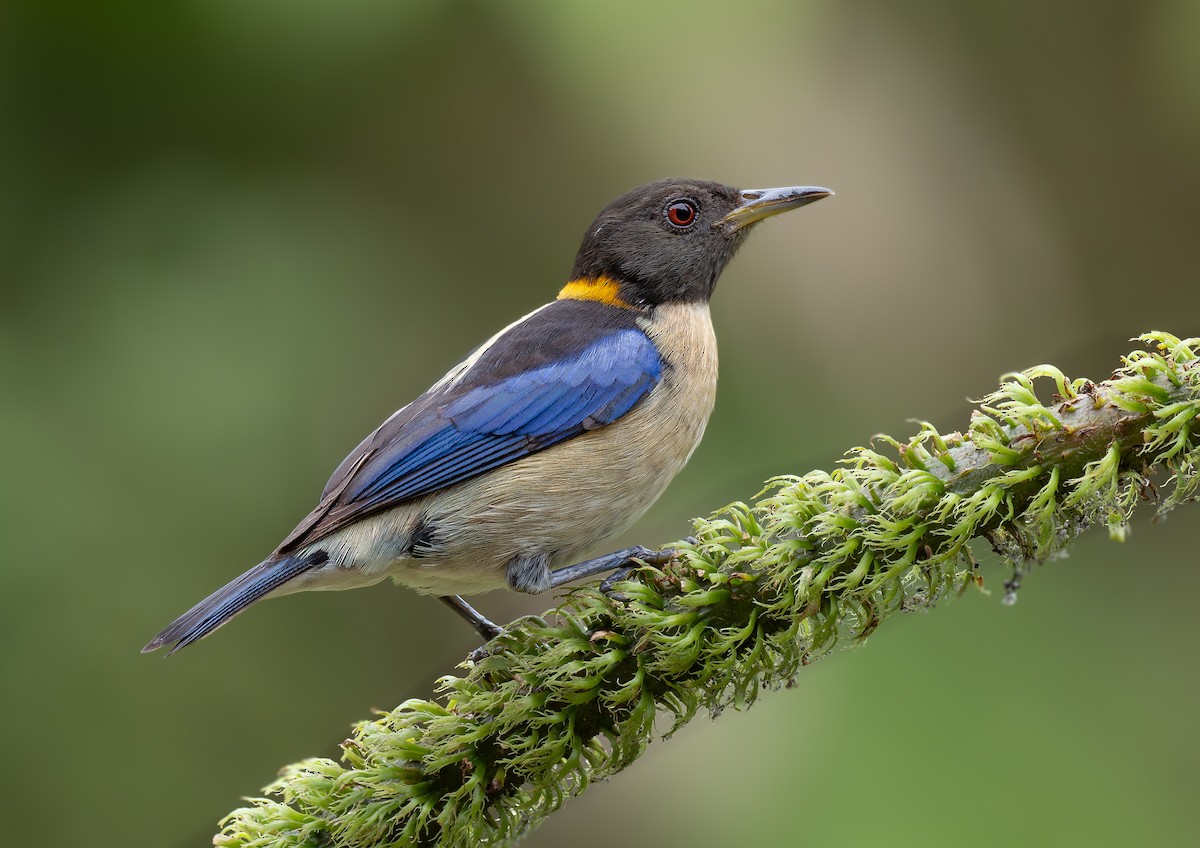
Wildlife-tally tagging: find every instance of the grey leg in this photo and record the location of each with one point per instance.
(621, 561)
(617, 565)
(487, 629)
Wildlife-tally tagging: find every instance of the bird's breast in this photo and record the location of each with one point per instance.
(683, 401)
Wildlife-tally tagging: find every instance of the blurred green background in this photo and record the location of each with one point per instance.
(234, 236)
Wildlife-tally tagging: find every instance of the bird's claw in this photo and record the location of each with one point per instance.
(479, 654)
(634, 558)
(607, 584)
(644, 555)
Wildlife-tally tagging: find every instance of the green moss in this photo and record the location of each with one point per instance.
(761, 590)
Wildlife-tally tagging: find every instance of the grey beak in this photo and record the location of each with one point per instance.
(759, 203)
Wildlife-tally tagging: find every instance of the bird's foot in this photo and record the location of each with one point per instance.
(608, 584)
(617, 566)
(479, 654)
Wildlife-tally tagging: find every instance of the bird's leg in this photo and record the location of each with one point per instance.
(487, 629)
(617, 565)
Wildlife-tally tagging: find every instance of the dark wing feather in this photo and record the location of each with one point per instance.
(493, 414)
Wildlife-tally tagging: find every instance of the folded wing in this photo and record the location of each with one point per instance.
(490, 415)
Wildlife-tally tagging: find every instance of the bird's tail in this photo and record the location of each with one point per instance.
(229, 600)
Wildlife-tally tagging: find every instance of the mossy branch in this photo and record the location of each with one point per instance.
(763, 590)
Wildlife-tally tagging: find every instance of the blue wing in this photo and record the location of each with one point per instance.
(493, 414)
(486, 426)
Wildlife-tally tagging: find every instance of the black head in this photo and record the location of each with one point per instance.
(669, 241)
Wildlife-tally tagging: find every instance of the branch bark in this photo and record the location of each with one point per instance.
(763, 590)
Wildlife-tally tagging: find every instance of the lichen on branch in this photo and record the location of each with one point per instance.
(760, 591)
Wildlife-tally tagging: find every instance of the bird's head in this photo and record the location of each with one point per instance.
(667, 242)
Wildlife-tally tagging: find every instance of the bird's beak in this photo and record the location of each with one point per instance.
(759, 203)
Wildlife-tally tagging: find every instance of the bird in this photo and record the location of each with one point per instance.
(553, 436)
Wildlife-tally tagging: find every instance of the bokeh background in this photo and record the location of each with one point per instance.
(234, 236)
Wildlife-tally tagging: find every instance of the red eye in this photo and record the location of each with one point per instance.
(682, 213)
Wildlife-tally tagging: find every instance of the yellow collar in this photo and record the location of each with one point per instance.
(600, 289)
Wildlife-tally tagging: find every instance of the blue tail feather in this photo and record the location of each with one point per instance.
(229, 600)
